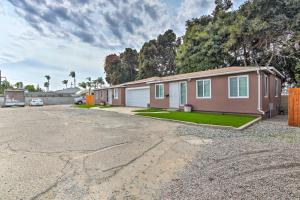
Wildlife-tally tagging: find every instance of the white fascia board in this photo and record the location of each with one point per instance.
(138, 88)
(210, 75)
(276, 71)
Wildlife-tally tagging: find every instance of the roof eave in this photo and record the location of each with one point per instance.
(209, 75)
(276, 71)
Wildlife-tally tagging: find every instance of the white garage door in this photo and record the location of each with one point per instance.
(137, 97)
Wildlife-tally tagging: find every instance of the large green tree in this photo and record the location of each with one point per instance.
(157, 57)
(30, 88)
(121, 68)
(19, 85)
(4, 86)
(260, 32)
(129, 62)
(113, 69)
(148, 60)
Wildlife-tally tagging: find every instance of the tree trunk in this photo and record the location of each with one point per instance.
(245, 55)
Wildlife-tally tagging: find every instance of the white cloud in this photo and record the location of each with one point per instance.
(193, 9)
(54, 37)
(105, 24)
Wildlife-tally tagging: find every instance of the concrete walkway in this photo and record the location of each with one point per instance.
(122, 110)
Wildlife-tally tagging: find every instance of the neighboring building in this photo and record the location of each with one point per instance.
(14, 98)
(71, 91)
(248, 90)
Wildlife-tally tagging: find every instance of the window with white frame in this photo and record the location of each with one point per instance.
(276, 87)
(203, 89)
(266, 86)
(239, 86)
(116, 93)
(159, 91)
(183, 93)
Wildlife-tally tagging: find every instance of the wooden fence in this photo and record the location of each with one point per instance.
(90, 99)
(294, 107)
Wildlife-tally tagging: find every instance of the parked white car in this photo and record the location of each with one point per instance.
(36, 102)
(80, 100)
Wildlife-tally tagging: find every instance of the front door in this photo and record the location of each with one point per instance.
(174, 95)
(110, 96)
(183, 93)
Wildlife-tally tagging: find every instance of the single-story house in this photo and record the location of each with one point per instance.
(249, 90)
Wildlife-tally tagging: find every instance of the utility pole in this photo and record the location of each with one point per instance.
(2, 77)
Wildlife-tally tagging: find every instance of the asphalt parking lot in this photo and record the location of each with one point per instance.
(61, 152)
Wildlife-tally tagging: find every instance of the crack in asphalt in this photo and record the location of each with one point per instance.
(117, 168)
(134, 159)
(68, 162)
(158, 160)
(67, 151)
(58, 180)
(10, 140)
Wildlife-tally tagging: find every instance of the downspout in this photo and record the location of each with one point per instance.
(259, 107)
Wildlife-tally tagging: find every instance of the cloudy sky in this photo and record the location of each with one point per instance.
(54, 37)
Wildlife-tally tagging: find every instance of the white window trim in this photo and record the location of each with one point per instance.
(116, 91)
(163, 94)
(203, 89)
(238, 87)
(265, 76)
(180, 103)
(276, 87)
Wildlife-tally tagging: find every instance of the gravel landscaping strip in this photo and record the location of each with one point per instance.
(261, 162)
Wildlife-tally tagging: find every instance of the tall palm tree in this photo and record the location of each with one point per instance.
(83, 85)
(46, 85)
(98, 81)
(89, 84)
(73, 75)
(65, 82)
(48, 80)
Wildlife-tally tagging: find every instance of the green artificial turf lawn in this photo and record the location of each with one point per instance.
(205, 118)
(85, 106)
(149, 110)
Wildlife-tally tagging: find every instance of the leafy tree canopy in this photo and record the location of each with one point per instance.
(260, 32)
(4, 86)
(157, 57)
(30, 88)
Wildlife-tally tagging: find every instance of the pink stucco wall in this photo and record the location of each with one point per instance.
(219, 101)
(121, 99)
(271, 94)
(100, 96)
(159, 103)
